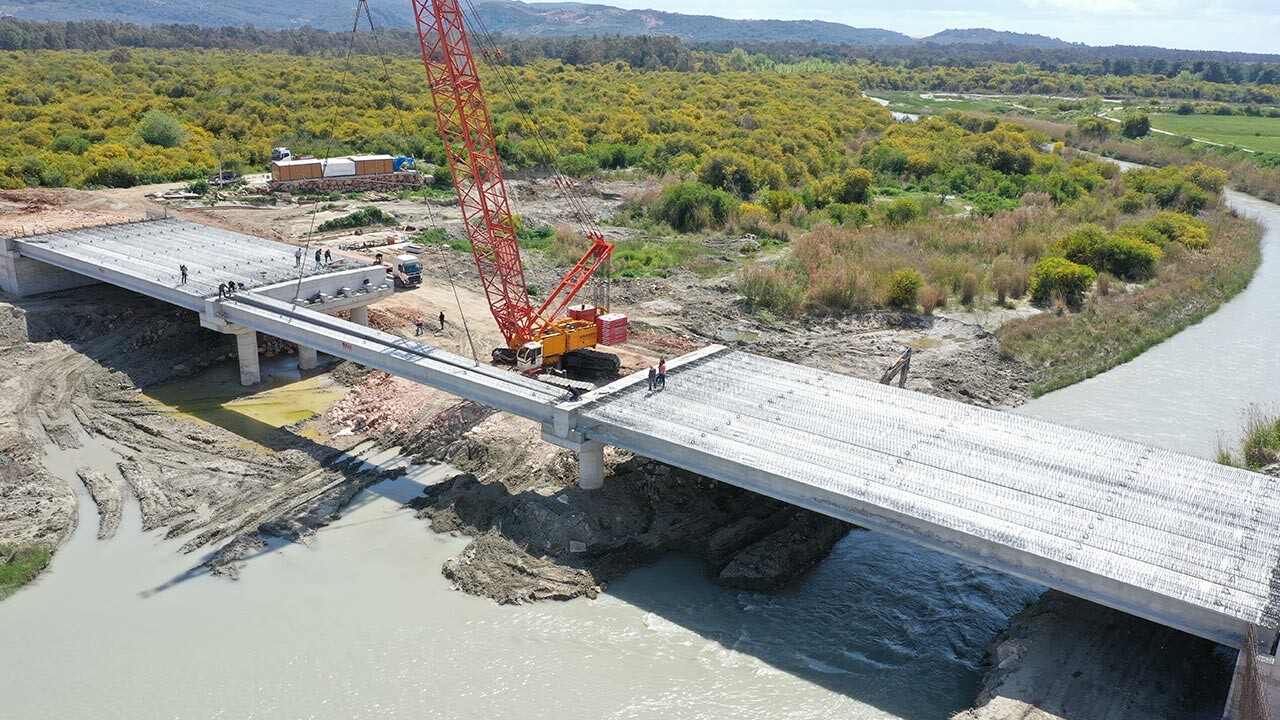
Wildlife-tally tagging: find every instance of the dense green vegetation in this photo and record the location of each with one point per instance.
(363, 217)
(1260, 444)
(78, 118)
(19, 565)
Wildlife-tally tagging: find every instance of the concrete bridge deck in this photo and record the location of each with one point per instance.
(1182, 541)
(1179, 540)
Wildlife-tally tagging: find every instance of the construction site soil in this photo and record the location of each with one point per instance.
(72, 366)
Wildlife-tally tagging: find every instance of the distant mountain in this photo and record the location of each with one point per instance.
(508, 17)
(985, 36)
(520, 19)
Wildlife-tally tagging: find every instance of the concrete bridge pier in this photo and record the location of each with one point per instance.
(247, 348)
(308, 358)
(360, 315)
(591, 465)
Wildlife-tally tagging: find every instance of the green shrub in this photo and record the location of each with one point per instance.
(1081, 244)
(1131, 202)
(841, 213)
(689, 207)
(904, 288)
(1125, 255)
(1261, 444)
(772, 289)
(363, 217)
(1128, 257)
(1178, 227)
(1055, 277)
(902, 211)
(1135, 126)
(160, 128)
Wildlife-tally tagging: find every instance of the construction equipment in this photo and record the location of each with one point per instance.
(900, 367)
(536, 336)
(405, 270)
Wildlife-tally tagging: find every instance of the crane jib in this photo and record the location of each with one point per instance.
(471, 151)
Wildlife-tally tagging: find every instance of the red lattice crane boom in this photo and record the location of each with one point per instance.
(473, 158)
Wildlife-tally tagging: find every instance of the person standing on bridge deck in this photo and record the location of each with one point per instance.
(328, 256)
(441, 321)
(182, 270)
(297, 257)
(222, 290)
(653, 377)
(231, 288)
(318, 256)
(662, 373)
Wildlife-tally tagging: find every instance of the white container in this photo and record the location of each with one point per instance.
(339, 167)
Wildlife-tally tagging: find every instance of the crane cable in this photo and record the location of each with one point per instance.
(512, 91)
(564, 184)
(431, 217)
(351, 43)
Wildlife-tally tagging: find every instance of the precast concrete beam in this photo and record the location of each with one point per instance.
(444, 371)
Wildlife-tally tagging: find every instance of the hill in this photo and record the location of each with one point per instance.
(985, 36)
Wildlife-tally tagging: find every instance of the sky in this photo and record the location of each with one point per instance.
(1243, 25)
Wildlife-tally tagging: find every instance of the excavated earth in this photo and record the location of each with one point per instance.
(71, 365)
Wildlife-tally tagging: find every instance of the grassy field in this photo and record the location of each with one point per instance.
(1254, 133)
(19, 565)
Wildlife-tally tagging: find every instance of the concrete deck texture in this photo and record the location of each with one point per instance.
(151, 252)
(1176, 539)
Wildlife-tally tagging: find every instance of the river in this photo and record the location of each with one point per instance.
(359, 622)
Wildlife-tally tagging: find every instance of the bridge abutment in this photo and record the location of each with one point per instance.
(21, 276)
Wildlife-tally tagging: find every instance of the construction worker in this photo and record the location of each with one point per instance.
(222, 290)
(297, 257)
(182, 270)
(420, 326)
(653, 377)
(328, 256)
(318, 256)
(662, 373)
(441, 321)
(231, 288)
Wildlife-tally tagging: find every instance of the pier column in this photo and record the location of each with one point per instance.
(247, 348)
(307, 358)
(360, 315)
(591, 465)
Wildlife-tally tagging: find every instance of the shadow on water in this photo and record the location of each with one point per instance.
(886, 623)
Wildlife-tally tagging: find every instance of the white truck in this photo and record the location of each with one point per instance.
(405, 270)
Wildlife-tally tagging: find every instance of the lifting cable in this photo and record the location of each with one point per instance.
(431, 217)
(342, 84)
(507, 85)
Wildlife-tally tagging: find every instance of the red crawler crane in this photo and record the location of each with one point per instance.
(534, 336)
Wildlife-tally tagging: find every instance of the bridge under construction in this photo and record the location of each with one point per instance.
(1172, 538)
